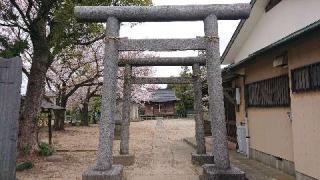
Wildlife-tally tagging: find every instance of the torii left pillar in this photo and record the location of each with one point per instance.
(104, 169)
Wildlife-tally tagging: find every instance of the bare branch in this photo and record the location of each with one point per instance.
(14, 25)
(25, 71)
(29, 9)
(91, 41)
(49, 84)
(14, 3)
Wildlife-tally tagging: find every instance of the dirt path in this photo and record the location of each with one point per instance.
(157, 145)
(164, 154)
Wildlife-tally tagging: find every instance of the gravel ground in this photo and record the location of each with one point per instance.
(157, 145)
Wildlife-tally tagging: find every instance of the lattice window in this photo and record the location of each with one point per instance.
(272, 92)
(306, 78)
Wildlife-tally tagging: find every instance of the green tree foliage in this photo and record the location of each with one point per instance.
(95, 104)
(66, 32)
(95, 107)
(185, 93)
(14, 49)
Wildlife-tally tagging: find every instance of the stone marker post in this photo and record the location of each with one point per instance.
(10, 97)
(104, 170)
(221, 169)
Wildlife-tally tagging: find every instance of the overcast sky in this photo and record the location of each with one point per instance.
(180, 30)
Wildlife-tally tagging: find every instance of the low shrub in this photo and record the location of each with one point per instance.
(45, 149)
(25, 150)
(24, 165)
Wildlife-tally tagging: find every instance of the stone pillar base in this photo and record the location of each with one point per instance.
(124, 159)
(115, 173)
(210, 172)
(201, 159)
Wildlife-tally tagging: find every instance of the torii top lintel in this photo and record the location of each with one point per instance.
(162, 13)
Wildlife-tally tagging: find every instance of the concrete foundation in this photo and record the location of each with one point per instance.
(124, 159)
(115, 173)
(275, 162)
(211, 172)
(201, 159)
(301, 176)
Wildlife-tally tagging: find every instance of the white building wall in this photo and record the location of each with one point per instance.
(285, 18)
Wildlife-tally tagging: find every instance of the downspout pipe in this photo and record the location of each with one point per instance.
(246, 119)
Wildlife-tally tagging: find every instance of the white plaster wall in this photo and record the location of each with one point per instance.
(285, 18)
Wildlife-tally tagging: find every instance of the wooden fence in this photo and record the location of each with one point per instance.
(10, 84)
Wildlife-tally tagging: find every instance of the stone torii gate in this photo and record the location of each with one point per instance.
(200, 157)
(112, 15)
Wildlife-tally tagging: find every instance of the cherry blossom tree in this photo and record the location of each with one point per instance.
(49, 27)
(76, 76)
(80, 99)
(74, 69)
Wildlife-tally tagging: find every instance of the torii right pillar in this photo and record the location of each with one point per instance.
(221, 168)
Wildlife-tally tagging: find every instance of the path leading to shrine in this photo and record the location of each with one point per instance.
(162, 153)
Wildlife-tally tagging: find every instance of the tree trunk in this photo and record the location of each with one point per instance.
(56, 125)
(36, 86)
(60, 115)
(94, 118)
(85, 110)
(85, 114)
(32, 102)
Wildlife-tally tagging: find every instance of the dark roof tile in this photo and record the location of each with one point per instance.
(163, 95)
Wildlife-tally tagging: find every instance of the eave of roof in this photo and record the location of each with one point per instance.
(235, 34)
(45, 104)
(163, 95)
(162, 101)
(288, 39)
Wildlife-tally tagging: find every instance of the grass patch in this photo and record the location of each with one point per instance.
(24, 165)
